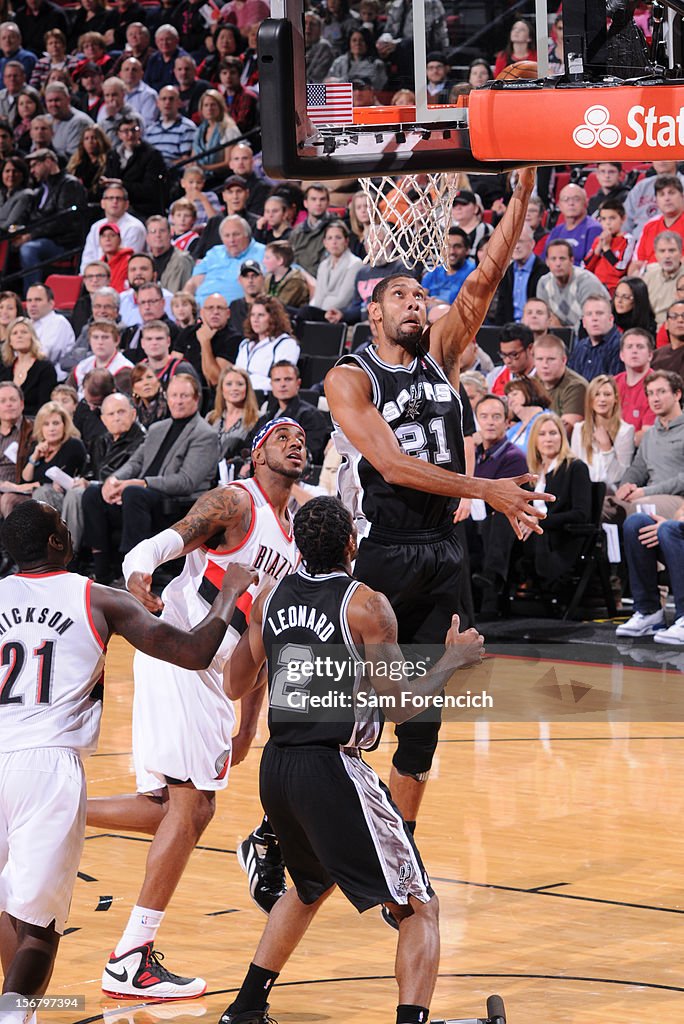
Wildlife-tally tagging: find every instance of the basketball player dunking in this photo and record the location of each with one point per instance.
(313, 761)
(398, 419)
(54, 637)
(183, 721)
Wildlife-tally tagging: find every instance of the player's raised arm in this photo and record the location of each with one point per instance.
(374, 623)
(241, 671)
(450, 335)
(193, 649)
(348, 392)
(226, 510)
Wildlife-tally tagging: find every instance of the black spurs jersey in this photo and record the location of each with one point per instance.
(426, 415)
(313, 665)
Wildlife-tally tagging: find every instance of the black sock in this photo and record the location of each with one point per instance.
(255, 989)
(411, 826)
(265, 831)
(407, 1014)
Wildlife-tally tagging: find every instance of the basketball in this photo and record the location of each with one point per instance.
(519, 69)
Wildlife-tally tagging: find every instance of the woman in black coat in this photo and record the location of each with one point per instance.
(554, 554)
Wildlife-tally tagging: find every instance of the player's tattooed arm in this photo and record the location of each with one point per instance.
(450, 335)
(225, 510)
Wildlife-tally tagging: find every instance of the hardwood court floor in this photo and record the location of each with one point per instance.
(556, 853)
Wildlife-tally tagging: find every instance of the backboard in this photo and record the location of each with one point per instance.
(353, 119)
(325, 125)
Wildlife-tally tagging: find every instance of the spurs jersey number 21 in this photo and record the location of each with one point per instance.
(425, 413)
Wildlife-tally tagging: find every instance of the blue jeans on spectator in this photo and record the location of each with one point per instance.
(35, 251)
(641, 563)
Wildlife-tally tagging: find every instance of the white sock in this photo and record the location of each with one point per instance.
(143, 925)
(10, 1014)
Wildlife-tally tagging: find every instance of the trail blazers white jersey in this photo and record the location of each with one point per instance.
(269, 548)
(51, 663)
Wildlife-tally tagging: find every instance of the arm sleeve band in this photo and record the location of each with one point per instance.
(148, 554)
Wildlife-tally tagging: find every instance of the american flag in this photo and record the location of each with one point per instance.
(330, 104)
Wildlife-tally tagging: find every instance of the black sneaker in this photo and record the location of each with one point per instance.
(139, 974)
(246, 1017)
(261, 860)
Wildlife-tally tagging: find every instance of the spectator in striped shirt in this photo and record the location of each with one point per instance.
(172, 134)
(183, 217)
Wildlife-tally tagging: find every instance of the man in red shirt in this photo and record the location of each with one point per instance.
(636, 351)
(669, 195)
(515, 350)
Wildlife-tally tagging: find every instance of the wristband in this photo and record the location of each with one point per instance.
(148, 554)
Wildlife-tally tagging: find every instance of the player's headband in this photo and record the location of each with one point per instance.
(272, 425)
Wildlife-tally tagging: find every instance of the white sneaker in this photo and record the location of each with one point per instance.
(139, 974)
(674, 635)
(642, 625)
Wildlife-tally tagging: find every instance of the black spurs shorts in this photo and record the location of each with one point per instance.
(337, 825)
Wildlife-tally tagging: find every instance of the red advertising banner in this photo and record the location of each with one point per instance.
(578, 125)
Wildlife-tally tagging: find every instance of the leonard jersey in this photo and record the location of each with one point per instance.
(266, 546)
(51, 663)
(426, 415)
(305, 619)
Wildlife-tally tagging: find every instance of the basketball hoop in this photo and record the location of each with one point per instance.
(410, 218)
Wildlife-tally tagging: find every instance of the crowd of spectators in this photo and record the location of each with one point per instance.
(130, 155)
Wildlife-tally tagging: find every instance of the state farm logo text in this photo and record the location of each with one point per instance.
(645, 127)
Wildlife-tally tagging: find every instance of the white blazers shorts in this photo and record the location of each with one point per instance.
(42, 827)
(182, 726)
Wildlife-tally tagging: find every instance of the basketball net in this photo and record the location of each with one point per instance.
(410, 219)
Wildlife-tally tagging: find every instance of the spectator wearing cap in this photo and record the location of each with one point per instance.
(173, 135)
(90, 93)
(360, 60)
(114, 109)
(159, 70)
(467, 215)
(251, 282)
(139, 96)
(68, 124)
(235, 194)
(578, 228)
(437, 72)
(218, 271)
(139, 167)
(443, 285)
(11, 49)
(53, 225)
(115, 255)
